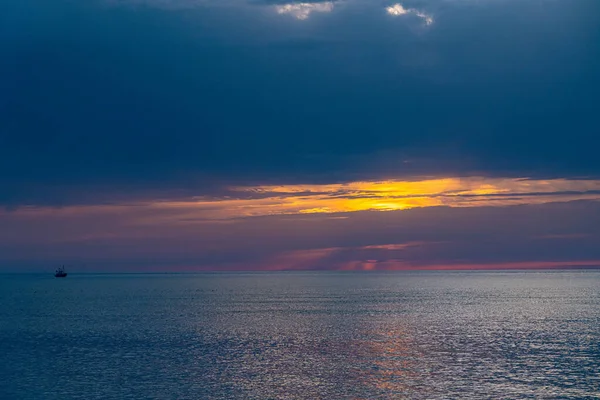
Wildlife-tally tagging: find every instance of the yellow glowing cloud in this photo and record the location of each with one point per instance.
(389, 195)
(400, 195)
(375, 196)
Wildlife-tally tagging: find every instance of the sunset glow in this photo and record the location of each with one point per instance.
(388, 196)
(298, 135)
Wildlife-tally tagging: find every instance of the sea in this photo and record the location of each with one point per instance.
(301, 335)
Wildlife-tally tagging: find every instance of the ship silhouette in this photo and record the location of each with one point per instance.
(60, 273)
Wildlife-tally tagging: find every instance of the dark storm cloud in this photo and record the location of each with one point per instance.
(117, 99)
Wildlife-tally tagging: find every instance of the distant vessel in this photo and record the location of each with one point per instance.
(60, 273)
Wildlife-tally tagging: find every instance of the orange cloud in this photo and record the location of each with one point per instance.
(256, 201)
(401, 195)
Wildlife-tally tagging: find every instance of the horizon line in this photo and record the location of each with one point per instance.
(258, 271)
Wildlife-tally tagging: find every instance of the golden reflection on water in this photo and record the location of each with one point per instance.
(388, 361)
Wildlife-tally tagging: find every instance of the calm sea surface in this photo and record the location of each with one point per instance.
(433, 335)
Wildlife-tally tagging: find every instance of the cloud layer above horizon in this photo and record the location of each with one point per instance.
(161, 122)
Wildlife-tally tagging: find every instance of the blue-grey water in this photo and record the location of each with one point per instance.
(417, 335)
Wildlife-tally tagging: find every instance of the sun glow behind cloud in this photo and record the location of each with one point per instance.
(321, 226)
(400, 195)
(390, 195)
(259, 201)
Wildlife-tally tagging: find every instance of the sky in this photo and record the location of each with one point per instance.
(192, 135)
